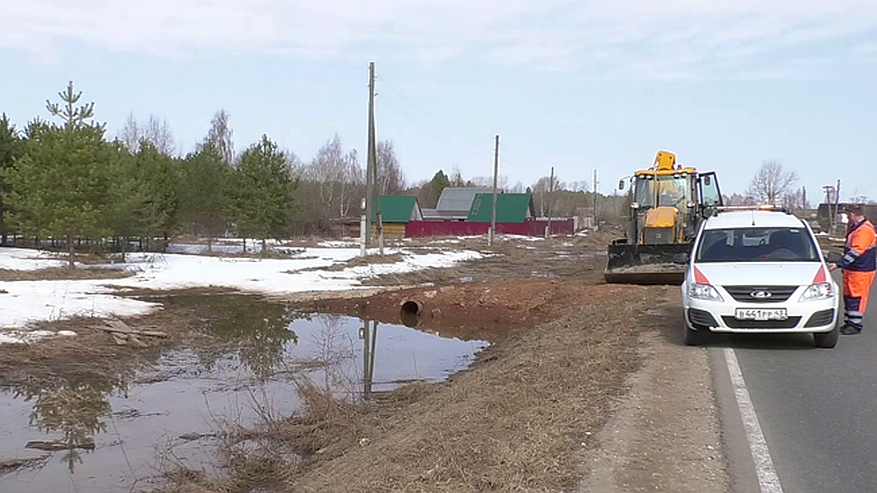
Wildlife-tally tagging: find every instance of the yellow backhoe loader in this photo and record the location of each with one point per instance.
(667, 204)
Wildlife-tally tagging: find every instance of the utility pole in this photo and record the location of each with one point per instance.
(493, 209)
(837, 200)
(550, 195)
(372, 161)
(829, 198)
(595, 199)
(369, 172)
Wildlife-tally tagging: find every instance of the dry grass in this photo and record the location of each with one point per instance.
(509, 262)
(63, 274)
(374, 259)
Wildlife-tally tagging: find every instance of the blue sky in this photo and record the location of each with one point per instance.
(578, 85)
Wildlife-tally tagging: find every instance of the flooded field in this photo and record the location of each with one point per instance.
(81, 430)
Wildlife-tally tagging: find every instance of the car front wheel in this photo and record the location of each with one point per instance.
(695, 337)
(827, 340)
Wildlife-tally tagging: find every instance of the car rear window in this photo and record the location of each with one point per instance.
(757, 245)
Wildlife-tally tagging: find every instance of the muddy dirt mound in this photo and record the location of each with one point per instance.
(483, 309)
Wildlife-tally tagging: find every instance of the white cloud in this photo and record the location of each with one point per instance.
(621, 37)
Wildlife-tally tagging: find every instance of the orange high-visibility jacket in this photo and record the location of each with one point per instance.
(860, 251)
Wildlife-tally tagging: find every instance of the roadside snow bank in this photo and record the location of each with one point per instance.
(26, 302)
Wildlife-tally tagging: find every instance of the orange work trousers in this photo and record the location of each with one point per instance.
(858, 285)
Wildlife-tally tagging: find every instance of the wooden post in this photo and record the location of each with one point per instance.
(550, 195)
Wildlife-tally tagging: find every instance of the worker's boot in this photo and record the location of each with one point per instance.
(849, 330)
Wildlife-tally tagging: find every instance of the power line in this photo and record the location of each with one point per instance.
(446, 126)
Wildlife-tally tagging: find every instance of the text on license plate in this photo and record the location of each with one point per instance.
(761, 314)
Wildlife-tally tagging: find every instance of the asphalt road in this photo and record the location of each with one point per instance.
(817, 408)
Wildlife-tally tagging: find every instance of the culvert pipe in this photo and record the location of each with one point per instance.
(411, 308)
(410, 313)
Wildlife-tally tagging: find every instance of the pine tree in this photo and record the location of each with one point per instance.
(202, 192)
(123, 214)
(261, 192)
(60, 184)
(72, 116)
(10, 150)
(157, 175)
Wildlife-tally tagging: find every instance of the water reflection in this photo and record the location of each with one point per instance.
(359, 357)
(369, 338)
(256, 330)
(264, 346)
(71, 410)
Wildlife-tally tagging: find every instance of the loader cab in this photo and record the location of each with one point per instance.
(663, 203)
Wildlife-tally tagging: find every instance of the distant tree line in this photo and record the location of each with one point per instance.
(68, 183)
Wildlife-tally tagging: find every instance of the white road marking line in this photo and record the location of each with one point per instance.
(768, 480)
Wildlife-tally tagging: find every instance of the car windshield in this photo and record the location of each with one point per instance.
(757, 245)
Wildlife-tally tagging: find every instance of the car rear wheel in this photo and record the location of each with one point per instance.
(696, 337)
(827, 340)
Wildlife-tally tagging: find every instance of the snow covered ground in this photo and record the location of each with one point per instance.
(23, 259)
(26, 302)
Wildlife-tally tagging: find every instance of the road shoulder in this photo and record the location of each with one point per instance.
(666, 434)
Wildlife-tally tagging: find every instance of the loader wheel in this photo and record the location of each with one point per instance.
(696, 337)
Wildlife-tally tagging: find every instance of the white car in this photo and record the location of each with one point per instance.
(758, 271)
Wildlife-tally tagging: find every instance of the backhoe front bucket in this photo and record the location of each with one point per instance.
(647, 264)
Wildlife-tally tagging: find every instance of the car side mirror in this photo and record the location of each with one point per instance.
(832, 257)
(621, 184)
(681, 258)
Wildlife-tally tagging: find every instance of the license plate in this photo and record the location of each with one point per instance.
(761, 314)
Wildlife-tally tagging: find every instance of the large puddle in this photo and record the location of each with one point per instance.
(116, 432)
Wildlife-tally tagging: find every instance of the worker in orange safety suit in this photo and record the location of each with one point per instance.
(858, 264)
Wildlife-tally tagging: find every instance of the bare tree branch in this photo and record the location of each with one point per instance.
(391, 180)
(129, 134)
(156, 131)
(772, 183)
(159, 133)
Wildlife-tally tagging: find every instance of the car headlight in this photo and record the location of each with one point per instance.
(818, 292)
(704, 292)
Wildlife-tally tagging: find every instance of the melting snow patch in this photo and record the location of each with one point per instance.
(33, 301)
(27, 337)
(25, 259)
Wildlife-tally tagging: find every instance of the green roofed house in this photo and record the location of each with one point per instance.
(510, 208)
(396, 211)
